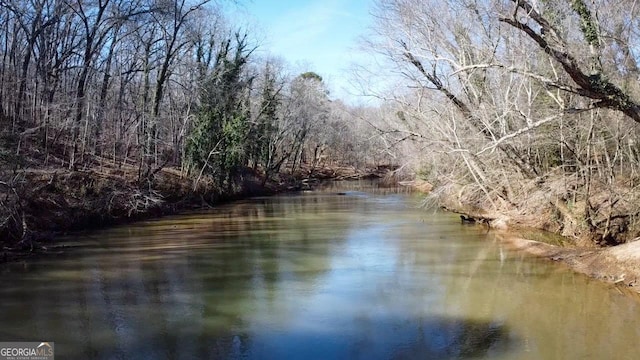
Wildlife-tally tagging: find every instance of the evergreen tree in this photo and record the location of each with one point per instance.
(267, 122)
(217, 143)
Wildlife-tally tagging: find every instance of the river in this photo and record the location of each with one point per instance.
(360, 274)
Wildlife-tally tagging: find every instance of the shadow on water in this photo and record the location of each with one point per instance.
(432, 338)
(309, 276)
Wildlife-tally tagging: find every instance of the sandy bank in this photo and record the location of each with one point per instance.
(619, 265)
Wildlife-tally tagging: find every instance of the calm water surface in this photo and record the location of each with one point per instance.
(364, 275)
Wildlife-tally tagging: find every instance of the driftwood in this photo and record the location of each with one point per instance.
(472, 218)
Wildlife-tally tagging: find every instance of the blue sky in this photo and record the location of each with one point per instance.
(316, 35)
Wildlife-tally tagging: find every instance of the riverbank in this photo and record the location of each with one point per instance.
(307, 264)
(41, 204)
(618, 264)
(46, 203)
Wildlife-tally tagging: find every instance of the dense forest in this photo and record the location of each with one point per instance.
(115, 107)
(517, 112)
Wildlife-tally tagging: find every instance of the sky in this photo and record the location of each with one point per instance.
(312, 35)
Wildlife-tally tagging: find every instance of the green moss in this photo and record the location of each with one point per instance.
(587, 26)
(602, 85)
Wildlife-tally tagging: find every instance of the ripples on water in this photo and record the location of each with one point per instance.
(363, 275)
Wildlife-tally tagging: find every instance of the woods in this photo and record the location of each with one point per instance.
(521, 112)
(149, 89)
(177, 178)
(525, 111)
(126, 80)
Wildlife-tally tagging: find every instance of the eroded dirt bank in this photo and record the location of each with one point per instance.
(41, 204)
(44, 204)
(619, 264)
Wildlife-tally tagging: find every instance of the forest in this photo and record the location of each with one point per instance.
(112, 108)
(516, 112)
(523, 112)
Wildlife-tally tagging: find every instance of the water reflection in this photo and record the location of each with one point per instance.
(310, 276)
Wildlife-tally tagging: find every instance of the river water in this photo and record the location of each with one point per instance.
(319, 275)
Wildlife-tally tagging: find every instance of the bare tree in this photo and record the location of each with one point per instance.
(521, 96)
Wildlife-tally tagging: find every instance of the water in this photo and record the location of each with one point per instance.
(364, 275)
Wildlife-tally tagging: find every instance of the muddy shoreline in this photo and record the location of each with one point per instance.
(55, 211)
(54, 203)
(619, 265)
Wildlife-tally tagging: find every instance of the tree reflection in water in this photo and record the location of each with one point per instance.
(312, 276)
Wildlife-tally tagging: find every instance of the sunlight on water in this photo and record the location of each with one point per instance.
(362, 274)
